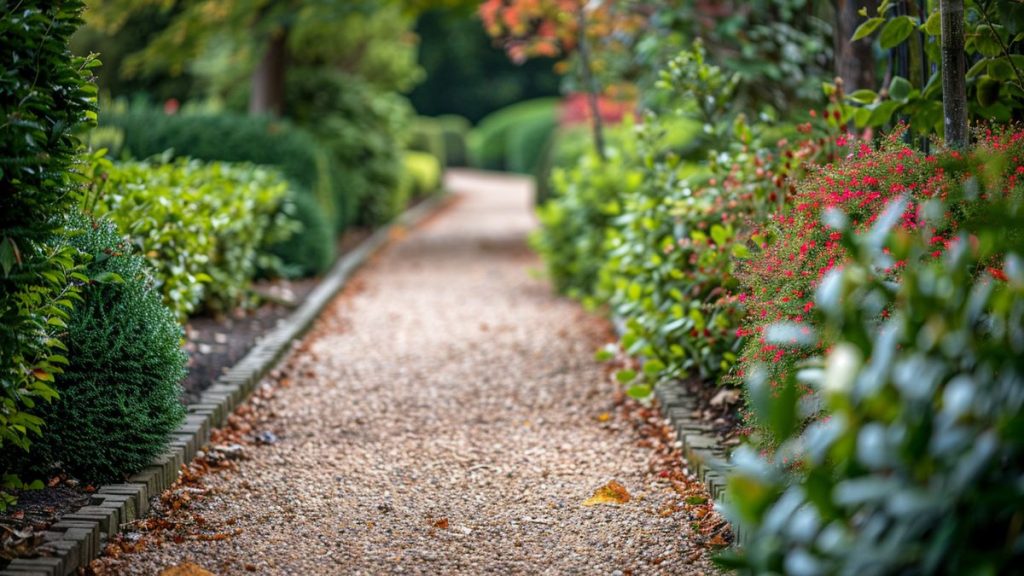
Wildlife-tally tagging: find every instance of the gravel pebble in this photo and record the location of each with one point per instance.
(444, 421)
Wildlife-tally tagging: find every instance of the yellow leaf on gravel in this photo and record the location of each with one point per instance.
(186, 569)
(611, 493)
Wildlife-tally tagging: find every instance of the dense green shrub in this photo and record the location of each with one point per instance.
(513, 137)
(309, 250)
(227, 137)
(455, 130)
(914, 466)
(427, 135)
(424, 171)
(362, 128)
(678, 135)
(45, 97)
(587, 196)
(201, 225)
(120, 393)
(657, 241)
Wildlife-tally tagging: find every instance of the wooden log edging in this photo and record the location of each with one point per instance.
(78, 538)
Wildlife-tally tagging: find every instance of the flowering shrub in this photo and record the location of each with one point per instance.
(916, 466)
(796, 248)
(671, 256)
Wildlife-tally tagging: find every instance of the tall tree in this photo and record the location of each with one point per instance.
(954, 82)
(267, 32)
(554, 28)
(855, 62)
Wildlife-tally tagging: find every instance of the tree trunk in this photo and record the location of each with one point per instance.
(266, 95)
(590, 85)
(954, 84)
(855, 63)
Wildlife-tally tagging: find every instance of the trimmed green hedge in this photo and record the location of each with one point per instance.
(202, 226)
(455, 131)
(427, 135)
(512, 138)
(423, 173)
(310, 251)
(229, 137)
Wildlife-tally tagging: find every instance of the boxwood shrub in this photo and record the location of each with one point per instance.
(455, 130)
(513, 137)
(310, 249)
(427, 135)
(120, 392)
(423, 172)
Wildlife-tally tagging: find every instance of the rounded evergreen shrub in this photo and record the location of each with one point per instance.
(120, 393)
(497, 142)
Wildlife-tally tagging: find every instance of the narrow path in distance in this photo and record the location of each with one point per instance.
(445, 416)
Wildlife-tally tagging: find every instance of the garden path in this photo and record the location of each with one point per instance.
(445, 416)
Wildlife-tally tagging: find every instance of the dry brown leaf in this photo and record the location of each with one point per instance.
(442, 524)
(186, 569)
(611, 493)
(717, 541)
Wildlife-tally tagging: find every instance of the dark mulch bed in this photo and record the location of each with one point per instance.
(214, 344)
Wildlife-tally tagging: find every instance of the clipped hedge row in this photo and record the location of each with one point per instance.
(203, 226)
(512, 138)
(224, 137)
(144, 132)
(422, 174)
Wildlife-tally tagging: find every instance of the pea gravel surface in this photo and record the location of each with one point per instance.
(448, 418)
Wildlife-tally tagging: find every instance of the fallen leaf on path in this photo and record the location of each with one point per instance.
(442, 524)
(604, 417)
(186, 569)
(718, 541)
(611, 493)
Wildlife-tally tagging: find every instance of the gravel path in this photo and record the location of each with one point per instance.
(446, 416)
